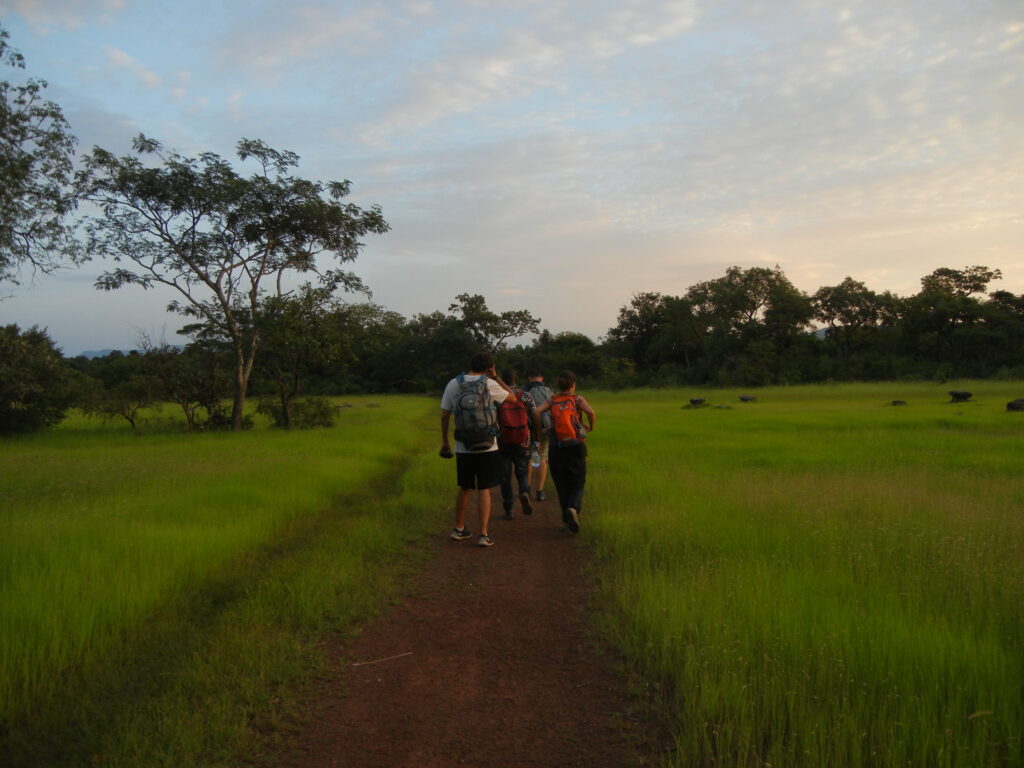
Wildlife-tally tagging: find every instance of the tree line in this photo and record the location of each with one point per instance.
(256, 261)
(750, 327)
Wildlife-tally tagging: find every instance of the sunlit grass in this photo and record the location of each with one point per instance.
(103, 528)
(819, 577)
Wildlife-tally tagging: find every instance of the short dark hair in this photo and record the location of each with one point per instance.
(481, 361)
(566, 379)
(509, 375)
(534, 372)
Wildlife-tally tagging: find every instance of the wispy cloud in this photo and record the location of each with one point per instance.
(123, 61)
(69, 13)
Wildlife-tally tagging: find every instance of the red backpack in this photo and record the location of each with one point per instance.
(566, 426)
(514, 421)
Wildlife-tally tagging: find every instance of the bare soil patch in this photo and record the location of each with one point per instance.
(487, 662)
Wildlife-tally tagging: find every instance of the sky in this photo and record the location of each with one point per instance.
(562, 156)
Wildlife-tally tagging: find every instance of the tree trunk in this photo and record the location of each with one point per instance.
(243, 370)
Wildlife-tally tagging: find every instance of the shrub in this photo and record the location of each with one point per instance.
(304, 414)
(36, 384)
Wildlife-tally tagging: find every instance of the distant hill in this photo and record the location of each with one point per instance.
(91, 353)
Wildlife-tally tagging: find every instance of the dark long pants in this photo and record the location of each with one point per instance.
(569, 471)
(513, 459)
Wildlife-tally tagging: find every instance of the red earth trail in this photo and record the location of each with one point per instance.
(486, 662)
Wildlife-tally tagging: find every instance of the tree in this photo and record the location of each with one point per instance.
(36, 384)
(577, 352)
(374, 354)
(192, 378)
(222, 241)
(37, 149)
(296, 338)
(489, 329)
(740, 315)
(960, 283)
(125, 399)
(638, 326)
(945, 307)
(851, 309)
(436, 347)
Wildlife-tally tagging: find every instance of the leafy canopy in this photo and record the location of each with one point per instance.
(36, 151)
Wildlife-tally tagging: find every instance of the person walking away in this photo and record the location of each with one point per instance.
(515, 439)
(473, 398)
(540, 392)
(567, 451)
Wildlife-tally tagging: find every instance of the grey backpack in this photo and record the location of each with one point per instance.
(541, 392)
(476, 416)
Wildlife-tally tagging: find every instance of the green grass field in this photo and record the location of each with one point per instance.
(814, 579)
(819, 577)
(155, 584)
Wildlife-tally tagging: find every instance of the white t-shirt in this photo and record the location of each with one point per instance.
(451, 392)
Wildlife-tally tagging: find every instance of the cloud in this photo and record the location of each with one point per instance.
(290, 34)
(122, 60)
(68, 13)
(540, 48)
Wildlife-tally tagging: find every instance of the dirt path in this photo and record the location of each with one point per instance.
(485, 664)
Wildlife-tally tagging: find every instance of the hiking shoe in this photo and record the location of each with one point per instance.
(524, 499)
(572, 520)
(458, 534)
(540, 495)
(485, 541)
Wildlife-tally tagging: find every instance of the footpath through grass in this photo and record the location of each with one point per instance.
(162, 595)
(819, 577)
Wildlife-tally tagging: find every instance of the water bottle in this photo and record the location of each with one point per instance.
(534, 458)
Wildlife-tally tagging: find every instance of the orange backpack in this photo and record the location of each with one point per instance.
(566, 424)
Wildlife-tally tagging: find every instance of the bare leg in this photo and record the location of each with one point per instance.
(542, 475)
(461, 501)
(483, 500)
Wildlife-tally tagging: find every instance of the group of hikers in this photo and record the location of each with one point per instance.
(505, 433)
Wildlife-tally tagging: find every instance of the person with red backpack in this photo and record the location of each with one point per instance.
(567, 450)
(515, 439)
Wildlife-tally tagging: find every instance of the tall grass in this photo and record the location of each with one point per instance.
(819, 578)
(116, 546)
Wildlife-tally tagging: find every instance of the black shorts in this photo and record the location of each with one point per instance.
(478, 470)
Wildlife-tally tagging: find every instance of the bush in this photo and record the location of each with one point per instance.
(304, 414)
(36, 384)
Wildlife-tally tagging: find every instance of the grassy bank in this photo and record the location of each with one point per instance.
(819, 577)
(161, 594)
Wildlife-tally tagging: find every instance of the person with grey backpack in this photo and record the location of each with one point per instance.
(472, 400)
(539, 393)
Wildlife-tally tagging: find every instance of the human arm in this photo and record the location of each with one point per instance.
(446, 448)
(530, 406)
(535, 420)
(591, 416)
(493, 375)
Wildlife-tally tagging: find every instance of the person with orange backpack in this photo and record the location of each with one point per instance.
(567, 449)
(515, 440)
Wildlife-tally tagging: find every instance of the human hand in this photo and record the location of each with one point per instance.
(445, 452)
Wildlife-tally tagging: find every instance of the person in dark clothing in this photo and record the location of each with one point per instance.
(514, 446)
(567, 452)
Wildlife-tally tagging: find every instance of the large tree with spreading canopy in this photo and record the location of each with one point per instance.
(223, 242)
(36, 152)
